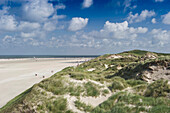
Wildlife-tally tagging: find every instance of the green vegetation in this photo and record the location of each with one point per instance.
(92, 89)
(123, 102)
(82, 106)
(133, 82)
(79, 75)
(59, 105)
(135, 52)
(160, 88)
(118, 84)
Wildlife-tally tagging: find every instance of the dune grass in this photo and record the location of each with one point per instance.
(123, 102)
(82, 106)
(59, 105)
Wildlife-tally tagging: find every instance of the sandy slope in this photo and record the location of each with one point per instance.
(18, 75)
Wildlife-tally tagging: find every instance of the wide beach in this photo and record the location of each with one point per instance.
(17, 75)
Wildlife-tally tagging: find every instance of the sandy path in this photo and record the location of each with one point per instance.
(18, 75)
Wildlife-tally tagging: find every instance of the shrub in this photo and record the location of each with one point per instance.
(91, 89)
(78, 75)
(57, 106)
(135, 82)
(159, 88)
(118, 84)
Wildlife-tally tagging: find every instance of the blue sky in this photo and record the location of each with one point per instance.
(83, 27)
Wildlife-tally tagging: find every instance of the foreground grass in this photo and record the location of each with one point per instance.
(123, 102)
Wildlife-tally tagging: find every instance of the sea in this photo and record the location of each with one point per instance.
(46, 56)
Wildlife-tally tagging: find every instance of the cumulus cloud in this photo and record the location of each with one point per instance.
(28, 26)
(153, 20)
(162, 35)
(121, 30)
(78, 23)
(38, 10)
(28, 35)
(49, 26)
(159, 0)
(140, 17)
(166, 18)
(7, 21)
(8, 39)
(87, 3)
(111, 35)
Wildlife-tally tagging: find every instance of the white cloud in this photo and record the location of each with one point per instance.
(38, 10)
(60, 6)
(28, 35)
(159, 0)
(128, 4)
(7, 22)
(112, 34)
(39, 34)
(78, 23)
(121, 30)
(49, 26)
(8, 39)
(140, 17)
(28, 26)
(162, 35)
(166, 18)
(153, 20)
(87, 3)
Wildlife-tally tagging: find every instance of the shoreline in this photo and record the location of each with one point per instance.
(62, 58)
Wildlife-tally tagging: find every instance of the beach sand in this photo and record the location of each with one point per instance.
(17, 75)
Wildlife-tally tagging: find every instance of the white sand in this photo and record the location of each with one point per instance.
(18, 75)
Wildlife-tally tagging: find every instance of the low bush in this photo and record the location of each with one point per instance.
(159, 88)
(92, 89)
(135, 82)
(118, 84)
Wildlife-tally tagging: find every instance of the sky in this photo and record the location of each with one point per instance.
(83, 27)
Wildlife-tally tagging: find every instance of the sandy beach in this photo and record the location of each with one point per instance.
(17, 75)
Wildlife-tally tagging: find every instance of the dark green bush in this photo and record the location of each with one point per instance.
(92, 89)
(159, 88)
(118, 84)
(135, 82)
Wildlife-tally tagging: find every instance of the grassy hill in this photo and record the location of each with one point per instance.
(132, 81)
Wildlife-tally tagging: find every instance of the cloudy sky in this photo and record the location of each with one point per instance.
(83, 27)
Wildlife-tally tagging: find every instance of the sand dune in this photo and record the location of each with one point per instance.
(18, 75)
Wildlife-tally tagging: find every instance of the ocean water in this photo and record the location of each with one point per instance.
(45, 56)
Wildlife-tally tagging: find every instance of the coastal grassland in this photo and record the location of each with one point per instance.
(160, 88)
(118, 83)
(123, 102)
(131, 70)
(58, 105)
